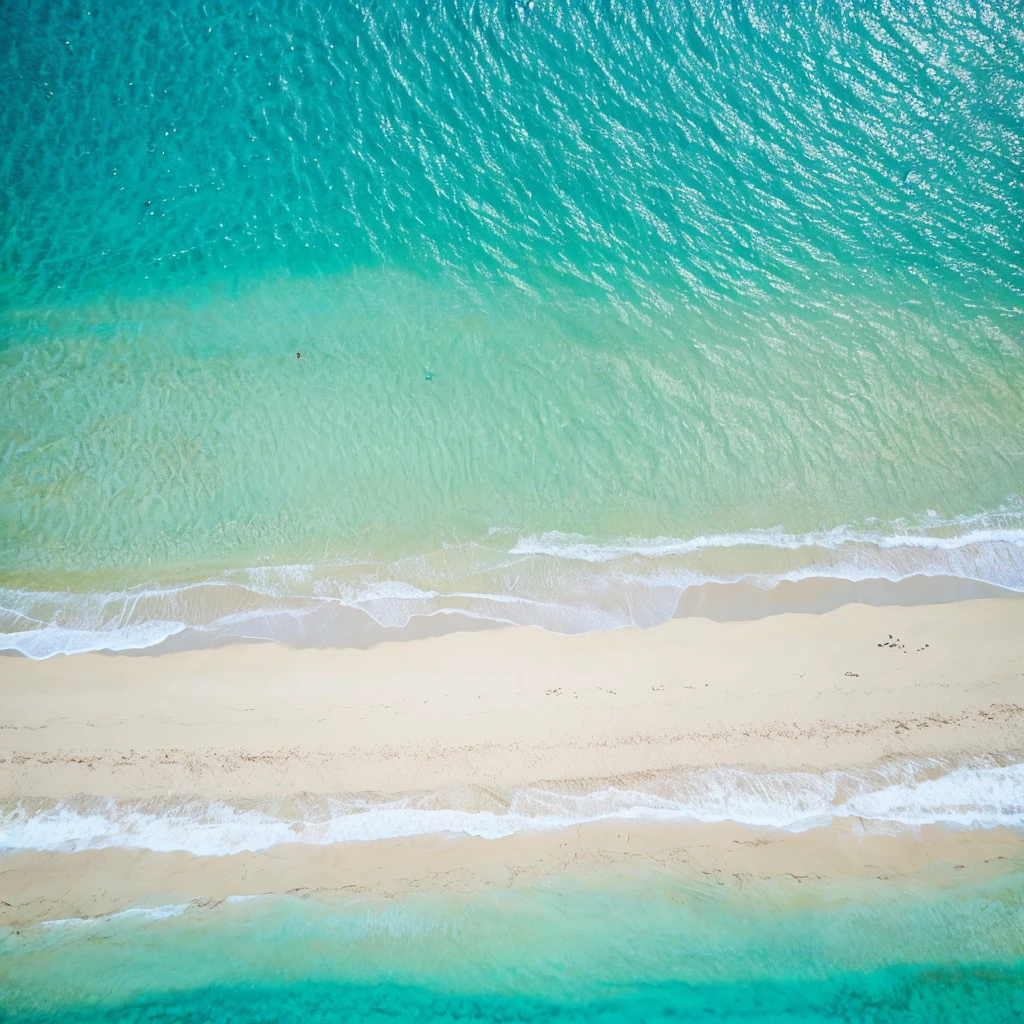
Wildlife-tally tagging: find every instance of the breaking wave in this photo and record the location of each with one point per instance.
(978, 794)
(560, 582)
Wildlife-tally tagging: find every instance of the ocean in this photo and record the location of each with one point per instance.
(606, 949)
(319, 318)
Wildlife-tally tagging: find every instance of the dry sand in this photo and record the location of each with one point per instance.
(506, 708)
(513, 706)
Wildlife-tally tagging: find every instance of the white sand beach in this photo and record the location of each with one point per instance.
(500, 709)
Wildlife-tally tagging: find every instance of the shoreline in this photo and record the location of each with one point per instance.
(738, 601)
(512, 707)
(816, 866)
(466, 720)
(259, 605)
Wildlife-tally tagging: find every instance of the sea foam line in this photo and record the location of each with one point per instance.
(560, 582)
(562, 545)
(980, 795)
(161, 913)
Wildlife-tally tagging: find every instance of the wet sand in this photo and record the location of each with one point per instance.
(506, 708)
(46, 886)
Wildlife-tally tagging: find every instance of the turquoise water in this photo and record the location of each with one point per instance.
(594, 302)
(319, 315)
(625, 949)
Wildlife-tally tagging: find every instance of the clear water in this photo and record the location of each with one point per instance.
(313, 314)
(626, 949)
(593, 301)
(317, 313)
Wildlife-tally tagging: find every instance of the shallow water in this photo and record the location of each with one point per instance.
(594, 303)
(609, 949)
(314, 315)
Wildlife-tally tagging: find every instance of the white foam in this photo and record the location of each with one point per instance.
(564, 546)
(50, 639)
(971, 797)
(907, 796)
(561, 582)
(146, 913)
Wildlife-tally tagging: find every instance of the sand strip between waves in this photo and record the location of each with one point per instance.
(500, 709)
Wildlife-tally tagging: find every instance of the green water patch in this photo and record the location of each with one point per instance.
(740, 150)
(304, 459)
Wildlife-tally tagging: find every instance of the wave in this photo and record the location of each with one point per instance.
(576, 548)
(979, 794)
(145, 913)
(560, 582)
